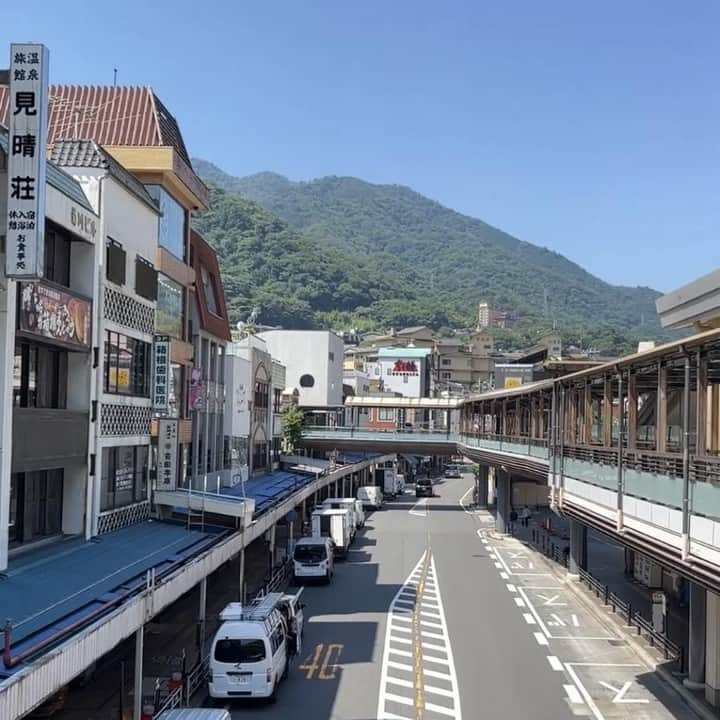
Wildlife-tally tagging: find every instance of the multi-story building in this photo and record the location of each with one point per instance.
(210, 333)
(314, 364)
(134, 127)
(279, 380)
(46, 380)
(463, 366)
(124, 326)
(249, 423)
(487, 317)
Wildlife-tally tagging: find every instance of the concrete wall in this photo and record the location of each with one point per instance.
(310, 352)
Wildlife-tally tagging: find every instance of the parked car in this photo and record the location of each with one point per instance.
(313, 559)
(423, 487)
(251, 650)
(370, 496)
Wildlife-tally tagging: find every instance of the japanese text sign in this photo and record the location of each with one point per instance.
(27, 139)
(161, 374)
(167, 454)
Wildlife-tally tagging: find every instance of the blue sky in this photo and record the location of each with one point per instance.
(590, 128)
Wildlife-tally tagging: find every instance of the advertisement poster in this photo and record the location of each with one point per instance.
(196, 389)
(55, 315)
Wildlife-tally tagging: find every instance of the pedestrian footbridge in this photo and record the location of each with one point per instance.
(631, 448)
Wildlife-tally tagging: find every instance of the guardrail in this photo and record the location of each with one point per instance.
(633, 618)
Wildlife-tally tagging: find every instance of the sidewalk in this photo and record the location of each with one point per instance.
(606, 562)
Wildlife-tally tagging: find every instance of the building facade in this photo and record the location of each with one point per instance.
(47, 330)
(314, 364)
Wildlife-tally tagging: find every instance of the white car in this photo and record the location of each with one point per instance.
(313, 559)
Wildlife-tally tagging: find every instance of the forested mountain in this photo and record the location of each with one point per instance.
(345, 252)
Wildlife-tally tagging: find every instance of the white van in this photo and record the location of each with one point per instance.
(249, 653)
(313, 558)
(195, 714)
(348, 503)
(391, 486)
(334, 524)
(359, 513)
(370, 496)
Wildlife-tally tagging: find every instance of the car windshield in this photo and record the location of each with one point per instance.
(310, 553)
(423, 481)
(236, 651)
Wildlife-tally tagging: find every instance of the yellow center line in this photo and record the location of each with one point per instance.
(417, 642)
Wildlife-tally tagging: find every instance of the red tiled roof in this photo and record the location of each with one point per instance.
(203, 255)
(132, 116)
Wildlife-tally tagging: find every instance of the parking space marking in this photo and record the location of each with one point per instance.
(555, 663)
(519, 602)
(529, 619)
(573, 694)
(541, 639)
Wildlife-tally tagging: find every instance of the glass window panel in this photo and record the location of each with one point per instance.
(125, 348)
(169, 313)
(172, 222)
(141, 468)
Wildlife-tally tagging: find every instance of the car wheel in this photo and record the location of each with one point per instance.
(272, 697)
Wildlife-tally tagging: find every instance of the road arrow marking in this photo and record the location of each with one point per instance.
(550, 601)
(620, 693)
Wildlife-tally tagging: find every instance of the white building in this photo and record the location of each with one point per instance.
(314, 364)
(124, 325)
(404, 370)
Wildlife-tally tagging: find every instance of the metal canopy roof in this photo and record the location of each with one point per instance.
(404, 402)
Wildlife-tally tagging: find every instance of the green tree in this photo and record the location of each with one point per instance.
(292, 428)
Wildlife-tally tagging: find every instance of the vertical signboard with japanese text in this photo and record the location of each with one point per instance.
(27, 139)
(167, 454)
(161, 374)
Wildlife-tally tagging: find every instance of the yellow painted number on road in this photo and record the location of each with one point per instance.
(322, 664)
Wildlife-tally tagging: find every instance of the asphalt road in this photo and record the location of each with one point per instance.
(457, 645)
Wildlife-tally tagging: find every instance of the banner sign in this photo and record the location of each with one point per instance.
(167, 454)
(196, 389)
(27, 140)
(404, 367)
(54, 314)
(161, 374)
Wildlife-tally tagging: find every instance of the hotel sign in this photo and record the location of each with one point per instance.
(27, 140)
(404, 367)
(167, 454)
(161, 374)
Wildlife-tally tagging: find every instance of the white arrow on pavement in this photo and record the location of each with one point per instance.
(550, 601)
(620, 693)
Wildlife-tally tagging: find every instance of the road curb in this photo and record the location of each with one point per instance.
(695, 704)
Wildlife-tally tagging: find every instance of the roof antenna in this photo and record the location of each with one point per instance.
(114, 77)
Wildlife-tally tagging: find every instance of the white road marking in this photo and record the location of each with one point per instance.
(529, 619)
(462, 504)
(504, 576)
(550, 601)
(511, 587)
(586, 695)
(555, 663)
(541, 639)
(498, 566)
(398, 679)
(620, 693)
(419, 509)
(519, 602)
(573, 694)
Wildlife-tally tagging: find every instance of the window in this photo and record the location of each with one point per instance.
(36, 505)
(261, 395)
(446, 375)
(172, 222)
(127, 365)
(39, 376)
(169, 314)
(235, 651)
(146, 279)
(57, 256)
(124, 475)
(307, 381)
(331, 356)
(386, 414)
(276, 448)
(259, 456)
(208, 283)
(405, 379)
(277, 400)
(213, 361)
(446, 361)
(115, 264)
